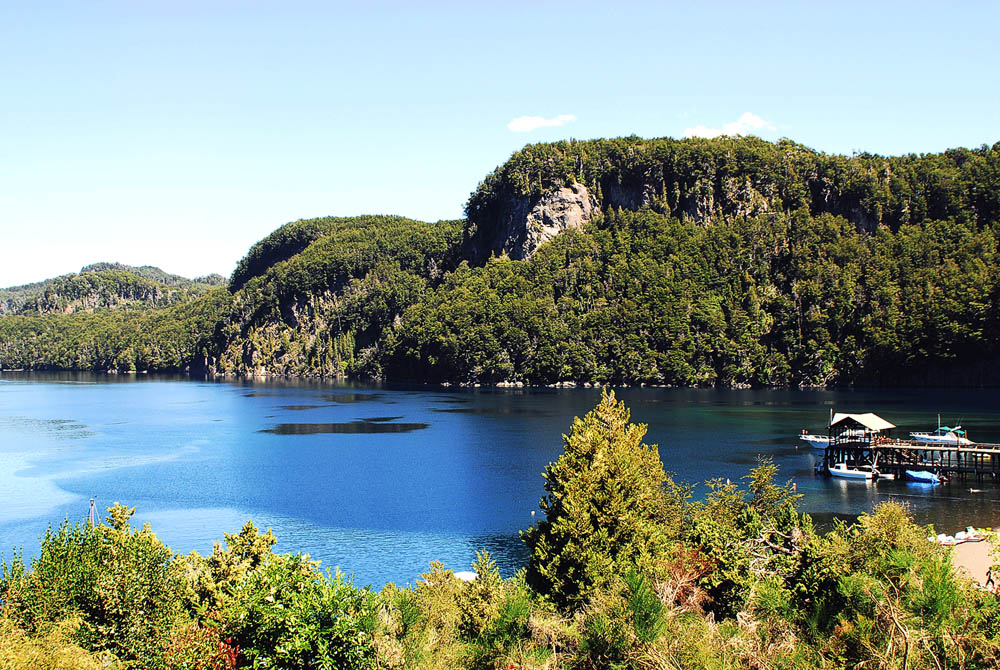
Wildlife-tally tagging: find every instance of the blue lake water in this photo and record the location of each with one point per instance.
(381, 480)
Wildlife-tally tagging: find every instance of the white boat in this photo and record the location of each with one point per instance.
(943, 435)
(858, 472)
(816, 441)
(823, 441)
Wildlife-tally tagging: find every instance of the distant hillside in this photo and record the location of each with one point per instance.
(316, 297)
(155, 274)
(732, 262)
(104, 286)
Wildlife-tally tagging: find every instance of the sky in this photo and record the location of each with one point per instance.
(179, 133)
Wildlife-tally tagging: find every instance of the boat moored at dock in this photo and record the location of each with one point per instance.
(859, 441)
(943, 435)
(844, 471)
(815, 441)
(922, 477)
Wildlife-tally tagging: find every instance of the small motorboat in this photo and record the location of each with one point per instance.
(857, 472)
(923, 477)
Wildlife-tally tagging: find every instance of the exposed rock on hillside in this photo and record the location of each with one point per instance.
(530, 222)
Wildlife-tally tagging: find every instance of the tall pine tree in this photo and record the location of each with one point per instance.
(604, 509)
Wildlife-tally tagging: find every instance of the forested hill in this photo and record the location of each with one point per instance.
(705, 180)
(730, 261)
(104, 286)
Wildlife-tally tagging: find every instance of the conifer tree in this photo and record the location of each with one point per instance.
(604, 506)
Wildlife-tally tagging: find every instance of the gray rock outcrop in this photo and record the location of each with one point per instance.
(527, 225)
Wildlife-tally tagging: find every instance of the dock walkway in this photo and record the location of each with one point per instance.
(980, 461)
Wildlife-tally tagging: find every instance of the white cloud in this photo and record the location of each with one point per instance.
(523, 124)
(741, 126)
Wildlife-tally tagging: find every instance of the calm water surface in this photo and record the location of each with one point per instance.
(380, 481)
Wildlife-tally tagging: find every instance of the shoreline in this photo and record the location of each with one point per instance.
(974, 559)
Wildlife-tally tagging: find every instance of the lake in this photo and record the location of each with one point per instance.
(382, 480)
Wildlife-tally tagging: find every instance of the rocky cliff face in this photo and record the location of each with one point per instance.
(528, 223)
(569, 207)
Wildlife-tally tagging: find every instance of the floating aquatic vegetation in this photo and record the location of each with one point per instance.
(353, 427)
(351, 397)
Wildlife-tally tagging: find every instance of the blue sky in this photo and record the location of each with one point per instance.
(179, 133)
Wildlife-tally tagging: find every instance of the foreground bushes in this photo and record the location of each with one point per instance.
(626, 571)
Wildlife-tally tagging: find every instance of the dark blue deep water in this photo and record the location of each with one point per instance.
(380, 481)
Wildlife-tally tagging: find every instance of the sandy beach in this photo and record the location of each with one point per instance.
(974, 559)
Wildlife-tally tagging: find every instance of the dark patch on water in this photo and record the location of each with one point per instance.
(344, 398)
(71, 426)
(493, 411)
(381, 419)
(299, 408)
(451, 400)
(779, 441)
(351, 427)
(739, 459)
(258, 395)
(64, 429)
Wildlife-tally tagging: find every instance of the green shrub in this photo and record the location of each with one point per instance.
(211, 579)
(52, 648)
(122, 584)
(479, 600)
(286, 614)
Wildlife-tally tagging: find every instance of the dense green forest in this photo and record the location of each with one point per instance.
(105, 286)
(730, 261)
(625, 571)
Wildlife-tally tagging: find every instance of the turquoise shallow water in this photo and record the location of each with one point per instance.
(380, 481)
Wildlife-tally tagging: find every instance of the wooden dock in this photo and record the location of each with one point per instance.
(891, 456)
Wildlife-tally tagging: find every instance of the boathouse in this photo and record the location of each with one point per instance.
(853, 437)
(863, 440)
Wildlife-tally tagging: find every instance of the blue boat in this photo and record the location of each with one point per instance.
(922, 476)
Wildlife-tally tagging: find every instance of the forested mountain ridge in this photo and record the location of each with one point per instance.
(731, 261)
(711, 179)
(104, 286)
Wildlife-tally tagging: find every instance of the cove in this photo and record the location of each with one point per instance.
(380, 480)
